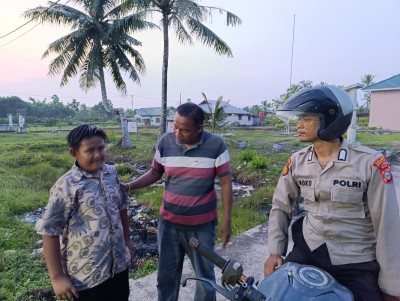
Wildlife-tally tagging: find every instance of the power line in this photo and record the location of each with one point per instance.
(26, 23)
(19, 36)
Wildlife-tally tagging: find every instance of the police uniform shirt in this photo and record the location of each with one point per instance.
(351, 206)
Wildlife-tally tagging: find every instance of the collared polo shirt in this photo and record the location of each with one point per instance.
(190, 199)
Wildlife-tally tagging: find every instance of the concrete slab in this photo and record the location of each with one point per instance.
(249, 248)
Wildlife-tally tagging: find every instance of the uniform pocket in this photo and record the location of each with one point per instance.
(307, 190)
(348, 202)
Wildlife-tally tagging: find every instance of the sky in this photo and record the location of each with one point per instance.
(279, 42)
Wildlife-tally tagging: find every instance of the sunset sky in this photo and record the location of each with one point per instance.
(335, 41)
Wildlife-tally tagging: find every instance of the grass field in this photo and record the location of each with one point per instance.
(30, 163)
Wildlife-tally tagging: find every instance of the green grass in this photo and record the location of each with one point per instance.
(380, 140)
(30, 164)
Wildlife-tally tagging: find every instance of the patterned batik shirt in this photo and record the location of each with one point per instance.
(85, 211)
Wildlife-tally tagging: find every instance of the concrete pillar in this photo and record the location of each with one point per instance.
(21, 124)
(352, 130)
(10, 121)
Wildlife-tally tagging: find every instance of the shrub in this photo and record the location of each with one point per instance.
(125, 169)
(258, 162)
(247, 155)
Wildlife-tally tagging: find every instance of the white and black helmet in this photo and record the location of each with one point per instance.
(332, 104)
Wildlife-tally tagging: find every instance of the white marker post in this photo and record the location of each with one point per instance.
(352, 130)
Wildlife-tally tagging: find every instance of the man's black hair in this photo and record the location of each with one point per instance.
(84, 131)
(192, 111)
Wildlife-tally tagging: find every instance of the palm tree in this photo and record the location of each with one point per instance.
(216, 116)
(186, 17)
(99, 40)
(367, 80)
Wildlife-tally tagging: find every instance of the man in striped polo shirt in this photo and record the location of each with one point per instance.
(190, 158)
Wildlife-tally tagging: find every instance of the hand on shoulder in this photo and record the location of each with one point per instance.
(125, 186)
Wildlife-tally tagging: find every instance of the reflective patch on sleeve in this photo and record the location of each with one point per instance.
(286, 168)
(384, 169)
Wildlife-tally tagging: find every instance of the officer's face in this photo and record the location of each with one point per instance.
(307, 128)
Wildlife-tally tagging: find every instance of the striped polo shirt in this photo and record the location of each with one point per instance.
(189, 196)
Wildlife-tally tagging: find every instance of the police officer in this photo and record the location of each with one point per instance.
(352, 222)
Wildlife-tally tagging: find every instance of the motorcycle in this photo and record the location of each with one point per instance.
(289, 282)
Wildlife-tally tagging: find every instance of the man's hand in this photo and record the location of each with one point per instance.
(63, 287)
(131, 248)
(274, 261)
(225, 231)
(226, 193)
(125, 186)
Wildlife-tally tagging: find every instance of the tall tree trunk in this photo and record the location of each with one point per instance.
(126, 140)
(104, 100)
(164, 76)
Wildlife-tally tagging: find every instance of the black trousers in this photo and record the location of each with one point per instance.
(113, 289)
(360, 278)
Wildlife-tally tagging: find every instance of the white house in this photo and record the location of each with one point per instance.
(152, 116)
(235, 115)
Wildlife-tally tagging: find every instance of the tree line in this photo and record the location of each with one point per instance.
(54, 112)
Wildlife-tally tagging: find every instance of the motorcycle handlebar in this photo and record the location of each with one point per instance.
(207, 253)
(236, 285)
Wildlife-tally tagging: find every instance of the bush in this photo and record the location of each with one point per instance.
(125, 169)
(258, 162)
(247, 155)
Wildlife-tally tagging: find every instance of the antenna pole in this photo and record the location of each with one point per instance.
(291, 61)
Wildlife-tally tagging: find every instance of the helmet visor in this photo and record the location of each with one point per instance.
(286, 116)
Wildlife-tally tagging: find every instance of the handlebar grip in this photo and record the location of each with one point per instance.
(207, 253)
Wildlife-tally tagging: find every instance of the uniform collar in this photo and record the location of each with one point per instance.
(341, 157)
(194, 145)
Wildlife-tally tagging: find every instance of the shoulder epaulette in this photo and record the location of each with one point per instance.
(303, 150)
(357, 146)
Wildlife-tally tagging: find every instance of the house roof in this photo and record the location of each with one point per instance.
(392, 83)
(228, 108)
(149, 111)
(156, 111)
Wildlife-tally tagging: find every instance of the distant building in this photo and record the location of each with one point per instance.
(385, 103)
(152, 116)
(235, 115)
